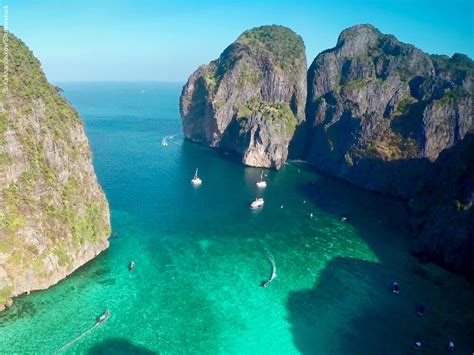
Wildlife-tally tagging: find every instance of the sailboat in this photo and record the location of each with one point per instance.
(196, 181)
(262, 183)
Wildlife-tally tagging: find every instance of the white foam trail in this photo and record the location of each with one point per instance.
(78, 337)
(274, 274)
(170, 138)
(274, 269)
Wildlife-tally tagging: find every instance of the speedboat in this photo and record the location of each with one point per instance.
(262, 183)
(196, 181)
(257, 203)
(103, 317)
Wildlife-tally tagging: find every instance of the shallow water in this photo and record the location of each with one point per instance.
(201, 255)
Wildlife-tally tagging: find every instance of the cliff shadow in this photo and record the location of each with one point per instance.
(351, 309)
(348, 313)
(116, 346)
(371, 215)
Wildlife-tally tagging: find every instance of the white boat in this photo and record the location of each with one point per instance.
(257, 203)
(196, 181)
(262, 183)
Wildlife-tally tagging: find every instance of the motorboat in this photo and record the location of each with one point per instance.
(257, 203)
(196, 181)
(396, 288)
(103, 317)
(261, 184)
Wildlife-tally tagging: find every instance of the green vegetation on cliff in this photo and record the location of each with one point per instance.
(258, 83)
(276, 113)
(284, 46)
(51, 207)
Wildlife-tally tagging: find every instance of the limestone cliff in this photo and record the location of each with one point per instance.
(386, 116)
(250, 100)
(53, 214)
(379, 111)
(442, 209)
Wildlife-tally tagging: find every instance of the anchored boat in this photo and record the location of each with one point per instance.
(257, 203)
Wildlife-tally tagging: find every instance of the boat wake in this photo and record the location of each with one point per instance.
(170, 139)
(273, 275)
(88, 330)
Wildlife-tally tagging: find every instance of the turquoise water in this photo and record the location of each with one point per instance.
(201, 255)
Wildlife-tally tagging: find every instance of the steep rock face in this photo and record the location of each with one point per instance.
(250, 100)
(53, 214)
(442, 209)
(379, 110)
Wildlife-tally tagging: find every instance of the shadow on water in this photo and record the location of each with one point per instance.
(119, 346)
(351, 309)
(18, 310)
(348, 321)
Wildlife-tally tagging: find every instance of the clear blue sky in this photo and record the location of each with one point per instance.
(166, 40)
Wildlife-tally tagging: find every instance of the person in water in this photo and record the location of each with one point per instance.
(131, 266)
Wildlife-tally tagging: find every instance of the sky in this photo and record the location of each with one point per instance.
(136, 40)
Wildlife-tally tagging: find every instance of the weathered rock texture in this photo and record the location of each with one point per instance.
(250, 100)
(53, 214)
(380, 111)
(442, 209)
(386, 116)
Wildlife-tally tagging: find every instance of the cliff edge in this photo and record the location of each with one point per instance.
(250, 100)
(54, 217)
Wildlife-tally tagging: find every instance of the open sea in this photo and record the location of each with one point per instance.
(201, 255)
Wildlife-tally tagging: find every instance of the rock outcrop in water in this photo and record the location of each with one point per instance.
(250, 100)
(379, 111)
(53, 214)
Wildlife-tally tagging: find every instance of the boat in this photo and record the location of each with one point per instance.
(396, 288)
(420, 310)
(257, 203)
(103, 317)
(262, 183)
(196, 181)
(451, 346)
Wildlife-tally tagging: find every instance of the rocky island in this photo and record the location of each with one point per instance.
(380, 111)
(250, 100)
(380, 114)
(54, 216)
